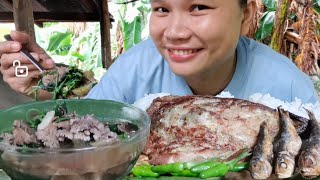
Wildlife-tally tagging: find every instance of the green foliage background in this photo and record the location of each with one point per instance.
(64, 46)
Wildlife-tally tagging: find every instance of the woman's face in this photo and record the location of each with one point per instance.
(196, 37)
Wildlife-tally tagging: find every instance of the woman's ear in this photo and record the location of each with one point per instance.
(248, 14)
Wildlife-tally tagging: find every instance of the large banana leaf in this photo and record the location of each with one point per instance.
(133, 19)
(86, 49)
(271, 5)
(266, 25)
(131, 32)
(60, 43)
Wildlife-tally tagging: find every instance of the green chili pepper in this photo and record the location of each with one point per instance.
(189, 165)
(240, 167)
(216, 171)
(242, 155)
(185, 173)
(204, 166)
(144, 171)
(168, 168)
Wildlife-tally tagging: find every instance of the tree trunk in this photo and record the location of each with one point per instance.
(280, 25)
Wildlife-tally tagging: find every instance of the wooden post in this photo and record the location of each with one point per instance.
(105, 35)
(23, 17)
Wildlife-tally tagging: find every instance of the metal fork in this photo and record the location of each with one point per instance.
(26, 54)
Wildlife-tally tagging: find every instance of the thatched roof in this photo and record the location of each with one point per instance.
(56, 10)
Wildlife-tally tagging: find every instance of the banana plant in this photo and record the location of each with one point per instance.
(83, 50)
(133, 21)
(60, 43)
(267, 20)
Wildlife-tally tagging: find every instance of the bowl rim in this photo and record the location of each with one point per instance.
(133, 138)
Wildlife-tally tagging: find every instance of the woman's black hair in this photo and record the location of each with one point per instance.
(243, 3)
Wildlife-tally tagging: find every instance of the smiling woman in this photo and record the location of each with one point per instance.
(197, 43)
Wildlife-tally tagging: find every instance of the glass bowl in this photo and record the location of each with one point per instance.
(112, 161)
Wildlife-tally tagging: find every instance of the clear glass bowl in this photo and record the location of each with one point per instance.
(113, 161)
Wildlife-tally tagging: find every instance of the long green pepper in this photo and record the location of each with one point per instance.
(207, 169)
(242, 155)
(144, 171)
(168, 168)
(185, 173)
(189, 165)
(204, 166)
(216, 171)
(240, 167)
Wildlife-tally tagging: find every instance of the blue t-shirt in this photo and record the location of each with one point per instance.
(142, 70)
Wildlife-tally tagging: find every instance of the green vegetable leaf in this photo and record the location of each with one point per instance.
(61, 108)
(34, 117)
(266, 25)
(271, 5)
(62, 51)
(78, 56)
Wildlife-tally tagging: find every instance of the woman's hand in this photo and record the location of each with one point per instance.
(9, 52)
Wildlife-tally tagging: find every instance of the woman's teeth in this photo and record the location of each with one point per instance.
(183, 52)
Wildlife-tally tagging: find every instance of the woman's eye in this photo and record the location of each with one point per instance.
(199, 7)
(160, 9)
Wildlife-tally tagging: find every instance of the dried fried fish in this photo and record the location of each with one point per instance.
(309, 160)
(286, 147)
(197, 127)
(260, 164)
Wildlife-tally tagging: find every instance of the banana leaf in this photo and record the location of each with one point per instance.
(60, 43)
(266, 25)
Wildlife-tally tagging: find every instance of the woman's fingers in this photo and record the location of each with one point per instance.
(20, 36)
(11, 59)
(21, 84)
(47, 63)
(7, 60)
(13, 71)
(9, 47)
(25, 39)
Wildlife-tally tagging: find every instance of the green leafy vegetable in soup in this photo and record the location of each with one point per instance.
(60, 129)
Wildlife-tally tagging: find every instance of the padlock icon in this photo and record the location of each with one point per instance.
(20, 71)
